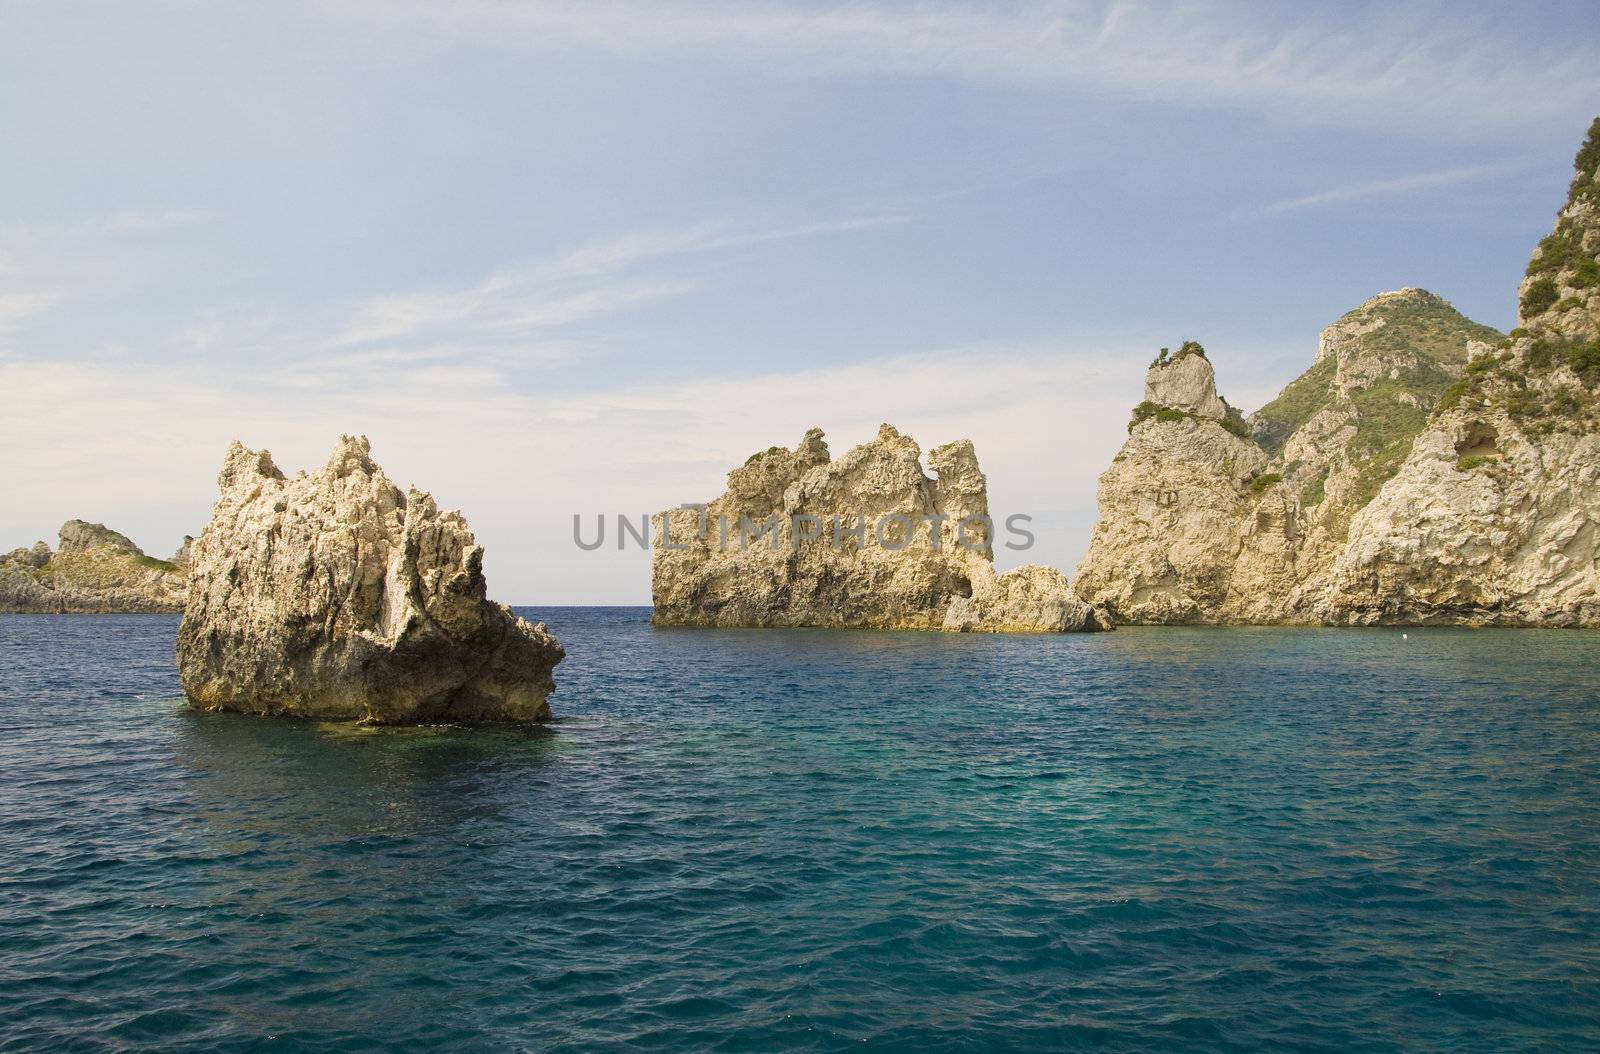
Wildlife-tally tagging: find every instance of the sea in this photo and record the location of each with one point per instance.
(1159, 839)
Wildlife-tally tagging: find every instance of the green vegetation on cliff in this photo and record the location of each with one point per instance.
(1399, 353)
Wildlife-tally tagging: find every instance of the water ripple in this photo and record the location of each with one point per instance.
(1193, 840)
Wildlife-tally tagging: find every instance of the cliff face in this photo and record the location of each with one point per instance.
(94, 570)
(1492, 518)
(870, 540)
(335, 595)
(1424, 470)
(1175, 504)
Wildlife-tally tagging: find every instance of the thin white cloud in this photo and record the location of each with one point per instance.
(585, 283)
(139, 221)
(498, 309)
(1446, 78)
(1388, 188)
(619, 253)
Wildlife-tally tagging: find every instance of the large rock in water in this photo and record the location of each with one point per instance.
(336, 596)
(837, 550)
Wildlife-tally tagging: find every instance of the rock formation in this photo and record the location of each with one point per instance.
(94, 570)
(336, 596)
(1175, 503)
(869, 540)
(1424, 470)
(1494, 516)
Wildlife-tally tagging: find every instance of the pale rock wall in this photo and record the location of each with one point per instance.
(1176, 507)
(335, 595)
(798, 576)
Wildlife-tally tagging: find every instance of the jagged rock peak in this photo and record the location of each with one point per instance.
(1184, 381)
(334, 595)
(867, 540)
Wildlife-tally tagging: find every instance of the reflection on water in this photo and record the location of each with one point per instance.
(1150, 839)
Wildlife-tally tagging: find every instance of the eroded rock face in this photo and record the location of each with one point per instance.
(1187, 383)
(1174, 509)
(1028, 599)
(1424, 470)
(335, 595)
(1485, 524)
(1494, 517)
(96, 571)
(869, 540)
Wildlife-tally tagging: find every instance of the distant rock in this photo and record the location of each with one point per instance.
(181, 557)
(869, 540)
(96, 571)
(79, 536)
(336, 596)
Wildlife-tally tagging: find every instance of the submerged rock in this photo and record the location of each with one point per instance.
(335, 595)
(95, 571)
(869, 540)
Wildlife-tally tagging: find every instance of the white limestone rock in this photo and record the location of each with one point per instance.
(707, 571)
(1185, 382)
(336, 596)
(1174, 507)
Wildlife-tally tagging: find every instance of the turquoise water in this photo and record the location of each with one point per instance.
(1180, 839)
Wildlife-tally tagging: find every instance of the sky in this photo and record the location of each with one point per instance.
(561, 259)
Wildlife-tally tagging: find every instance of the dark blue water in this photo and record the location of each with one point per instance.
(1148, 840)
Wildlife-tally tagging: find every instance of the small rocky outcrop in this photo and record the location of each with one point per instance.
(1185, 382)
(869, 540)
(94, 571)
(79, 536)
(337, 596)
(1028, 599)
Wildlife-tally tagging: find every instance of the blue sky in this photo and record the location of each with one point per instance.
(582, 258)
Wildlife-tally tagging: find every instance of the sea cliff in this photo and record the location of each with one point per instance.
(1424, 470)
